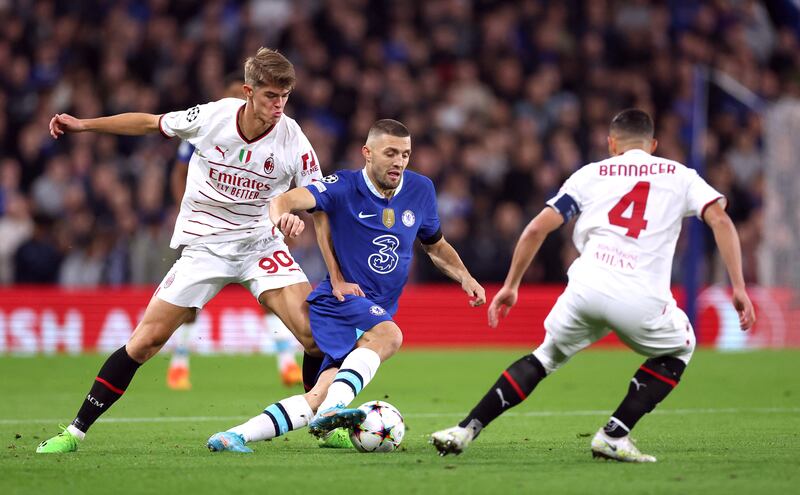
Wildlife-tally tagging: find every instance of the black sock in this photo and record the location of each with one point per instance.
(111, 382)
(513, 386)
(651, 384)
(311, 366)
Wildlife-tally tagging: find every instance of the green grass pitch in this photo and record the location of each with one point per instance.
(732, 426)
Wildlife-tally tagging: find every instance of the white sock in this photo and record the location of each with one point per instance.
(357, 370)
(76, 432)
(276, 420)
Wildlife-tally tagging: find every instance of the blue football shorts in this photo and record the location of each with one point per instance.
(337, 326)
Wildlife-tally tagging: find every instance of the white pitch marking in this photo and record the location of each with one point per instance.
(199, 419)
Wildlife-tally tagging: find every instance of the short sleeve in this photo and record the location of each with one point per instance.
(186, 124)
(700, 195)
(308, 169)
(567, 202)
(430, 229)
(328, 192)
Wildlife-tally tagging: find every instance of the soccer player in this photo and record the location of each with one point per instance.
(178, 376)
(246, 154)
(374, 216)
(629, 209)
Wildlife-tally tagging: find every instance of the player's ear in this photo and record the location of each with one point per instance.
(612, 146)
(248, 91)
(366, 153)
(653, 145)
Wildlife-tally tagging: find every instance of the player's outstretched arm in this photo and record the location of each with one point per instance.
(128, 124)
(341, 287)
(728, 243)
(446, 259)
(281, 208)
(528, 245)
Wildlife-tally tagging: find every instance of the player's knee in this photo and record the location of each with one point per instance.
(549, 356)
(391, 341)
(147, 340)
(385, 339)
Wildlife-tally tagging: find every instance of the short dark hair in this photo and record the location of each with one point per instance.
(388, 126)
(633, 122)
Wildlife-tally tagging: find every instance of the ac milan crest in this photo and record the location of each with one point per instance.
(269, 164)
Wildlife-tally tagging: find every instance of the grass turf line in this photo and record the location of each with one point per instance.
(728, 452)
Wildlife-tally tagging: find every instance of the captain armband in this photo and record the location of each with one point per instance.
(567, 207)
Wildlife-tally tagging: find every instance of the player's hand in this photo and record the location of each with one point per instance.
(291, 225)
(475, 291)
(747, 314)
(64, 122)
(501, 304)
(341, 289)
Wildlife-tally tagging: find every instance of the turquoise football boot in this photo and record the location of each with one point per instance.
(228, 441)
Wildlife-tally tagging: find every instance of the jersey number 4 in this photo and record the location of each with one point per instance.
(635, 223)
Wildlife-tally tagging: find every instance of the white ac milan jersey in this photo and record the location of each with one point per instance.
(630, 211)
(231, 178)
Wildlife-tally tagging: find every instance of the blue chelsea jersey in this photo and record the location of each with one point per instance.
(374, 236)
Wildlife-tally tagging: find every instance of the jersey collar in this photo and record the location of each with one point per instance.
(374, 190)
(635, 151)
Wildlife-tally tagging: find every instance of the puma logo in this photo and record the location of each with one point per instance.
(638, 385)
(221, 151)
(503, 401)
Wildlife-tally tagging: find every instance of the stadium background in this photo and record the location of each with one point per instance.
(504, 100)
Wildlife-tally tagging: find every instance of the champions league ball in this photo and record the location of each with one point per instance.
(381, 431)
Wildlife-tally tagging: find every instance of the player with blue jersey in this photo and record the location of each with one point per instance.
(374, 216)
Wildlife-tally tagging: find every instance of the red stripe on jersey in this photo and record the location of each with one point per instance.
(220, 193)
(664, 379)
(241, 134)
(207, 225)
(218, 218)
(226, 209)
(703, 210)
(161, 129)
(110, 387)
(514, 385)
(192, 233)
(243, 169)
(237, 204)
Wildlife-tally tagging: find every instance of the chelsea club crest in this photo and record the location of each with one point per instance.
(408, 218)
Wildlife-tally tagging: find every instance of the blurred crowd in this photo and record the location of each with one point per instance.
(504, 100)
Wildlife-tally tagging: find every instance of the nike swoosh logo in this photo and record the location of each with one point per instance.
(362, 215)
(612, 447)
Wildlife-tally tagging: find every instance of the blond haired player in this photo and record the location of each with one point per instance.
(178, 376)
(247, 152)
(629, 210)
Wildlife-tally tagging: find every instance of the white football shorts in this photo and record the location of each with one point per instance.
(582, 316)
(200, 273)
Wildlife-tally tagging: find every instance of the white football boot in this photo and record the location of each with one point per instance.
(617, 449)
(452, 440)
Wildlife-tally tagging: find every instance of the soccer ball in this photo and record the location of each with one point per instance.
(381, 431)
